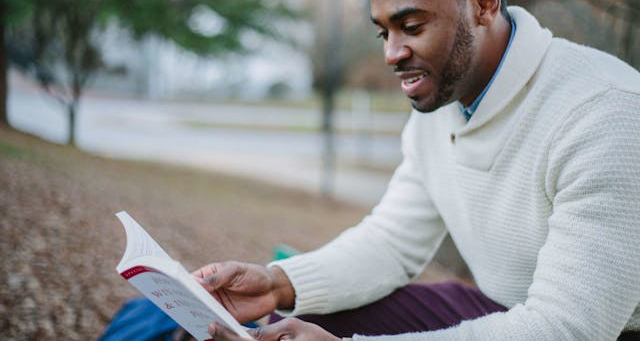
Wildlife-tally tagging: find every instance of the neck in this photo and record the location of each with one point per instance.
(491, 47)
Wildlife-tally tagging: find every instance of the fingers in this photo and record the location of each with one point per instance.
(226, 275)
(218, 275)
(207, 270)
(282, 330)
(222, 333)
(289, 329)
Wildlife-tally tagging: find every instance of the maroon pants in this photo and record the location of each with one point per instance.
(414, 308)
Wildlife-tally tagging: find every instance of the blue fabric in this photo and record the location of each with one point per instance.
(139, 320)
(468, 111)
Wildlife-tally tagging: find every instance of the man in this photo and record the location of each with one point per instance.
(525, 148)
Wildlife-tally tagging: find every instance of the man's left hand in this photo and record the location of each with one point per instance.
(290, 329)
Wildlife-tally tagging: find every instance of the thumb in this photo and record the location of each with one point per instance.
(224, 276)
(276, 331)
(222, 333)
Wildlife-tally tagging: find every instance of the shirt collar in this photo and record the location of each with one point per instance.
(469, 110)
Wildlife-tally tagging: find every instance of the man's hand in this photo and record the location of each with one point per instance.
(247, 291)
(290, 329)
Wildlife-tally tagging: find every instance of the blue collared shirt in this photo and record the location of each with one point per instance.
(468, 111)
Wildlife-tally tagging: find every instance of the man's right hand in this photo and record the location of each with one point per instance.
(247, 291)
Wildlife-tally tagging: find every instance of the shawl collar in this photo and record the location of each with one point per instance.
(480, 140)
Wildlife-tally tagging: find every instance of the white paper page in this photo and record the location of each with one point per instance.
(139, 242)
(169, 285)
(178, 302)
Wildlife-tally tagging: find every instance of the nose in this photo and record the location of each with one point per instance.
(395, 51)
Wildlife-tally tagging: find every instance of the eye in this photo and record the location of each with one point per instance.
(382, 34)
(411, 29)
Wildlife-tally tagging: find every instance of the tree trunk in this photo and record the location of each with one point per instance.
(77, 84)
(329, 154)
(4, 116)
(72, 123)
(331, 83)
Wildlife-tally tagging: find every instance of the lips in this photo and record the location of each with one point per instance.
(412, 80)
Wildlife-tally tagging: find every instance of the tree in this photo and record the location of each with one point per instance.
(4, 121)
(56, 42)
(11, 11)
(330, 85)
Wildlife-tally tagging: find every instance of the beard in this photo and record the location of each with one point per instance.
(455, 70)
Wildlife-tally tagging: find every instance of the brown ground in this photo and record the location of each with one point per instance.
(60, 241)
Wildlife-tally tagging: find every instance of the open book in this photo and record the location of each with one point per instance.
(169, 285)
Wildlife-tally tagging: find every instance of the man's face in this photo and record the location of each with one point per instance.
(429, 43)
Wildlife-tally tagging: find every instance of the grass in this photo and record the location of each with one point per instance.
(61, 241)
(12, 152)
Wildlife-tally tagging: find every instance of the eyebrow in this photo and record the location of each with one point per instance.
(401, 14)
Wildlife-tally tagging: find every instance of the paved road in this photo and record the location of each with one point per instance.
(257, 142)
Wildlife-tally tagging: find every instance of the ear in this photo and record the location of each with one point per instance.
(485, 11)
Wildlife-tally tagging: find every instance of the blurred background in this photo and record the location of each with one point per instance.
(226, 128)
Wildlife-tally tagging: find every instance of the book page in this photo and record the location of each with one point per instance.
(169, 285)
(139, 242)
(175, 300)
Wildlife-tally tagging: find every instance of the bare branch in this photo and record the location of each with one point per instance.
(50, 89)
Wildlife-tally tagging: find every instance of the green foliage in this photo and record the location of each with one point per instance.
(42, 30)
(57, 41)
(168, 19)
(171, 20)
(53, 41)
(15, 10)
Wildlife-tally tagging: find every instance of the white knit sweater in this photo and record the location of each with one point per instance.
(540, 191)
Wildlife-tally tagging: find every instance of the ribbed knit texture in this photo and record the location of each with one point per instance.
(540, 192)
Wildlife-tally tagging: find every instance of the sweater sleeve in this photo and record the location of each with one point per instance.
(367, 262)
(587, 278)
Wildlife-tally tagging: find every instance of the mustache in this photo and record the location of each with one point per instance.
(406, 67)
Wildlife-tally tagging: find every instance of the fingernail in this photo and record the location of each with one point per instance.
(212, 329)
(209, 279)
